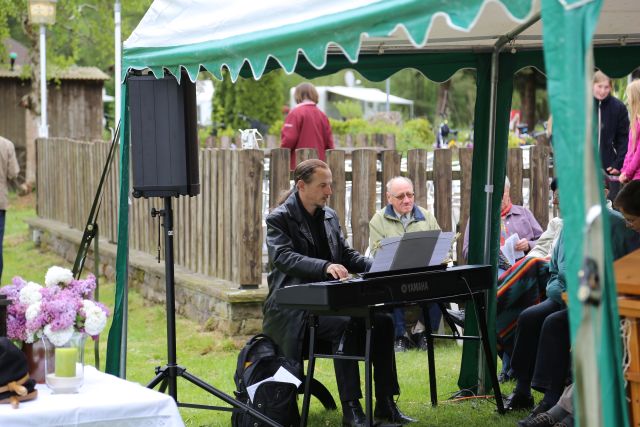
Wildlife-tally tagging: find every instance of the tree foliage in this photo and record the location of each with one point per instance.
(83, 33)
(244, 103)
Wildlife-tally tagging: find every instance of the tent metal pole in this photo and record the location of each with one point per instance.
(493, 98)
(491, 148)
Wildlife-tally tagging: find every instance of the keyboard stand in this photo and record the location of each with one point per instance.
(366, 313)
(480, 307)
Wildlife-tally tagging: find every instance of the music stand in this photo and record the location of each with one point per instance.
(168, 374)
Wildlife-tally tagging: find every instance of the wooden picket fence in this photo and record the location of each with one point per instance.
(219, 232)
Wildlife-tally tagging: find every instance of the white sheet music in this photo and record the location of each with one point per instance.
(509, 249)
(282, 375)
(383, 256)
(443, 246)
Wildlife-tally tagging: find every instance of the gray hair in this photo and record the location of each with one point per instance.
(404, 178)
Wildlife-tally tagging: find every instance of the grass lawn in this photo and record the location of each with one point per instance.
(212, 357)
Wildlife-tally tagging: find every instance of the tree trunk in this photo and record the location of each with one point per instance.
(442, 106)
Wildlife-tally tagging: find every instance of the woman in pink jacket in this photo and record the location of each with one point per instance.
(306, 126)
(631, 167)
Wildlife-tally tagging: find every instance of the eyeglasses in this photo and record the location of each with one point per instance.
(401, 196)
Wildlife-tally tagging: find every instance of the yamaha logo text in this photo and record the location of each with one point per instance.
(408, 288)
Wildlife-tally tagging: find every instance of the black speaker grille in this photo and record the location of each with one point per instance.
(164, 136)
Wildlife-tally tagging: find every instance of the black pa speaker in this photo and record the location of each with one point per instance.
(164, 136)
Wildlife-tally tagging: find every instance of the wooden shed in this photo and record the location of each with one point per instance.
(74, 105)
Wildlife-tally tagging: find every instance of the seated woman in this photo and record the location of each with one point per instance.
(523, 285)
(541, 357)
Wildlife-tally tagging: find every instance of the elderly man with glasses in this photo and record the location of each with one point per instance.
(402, 215)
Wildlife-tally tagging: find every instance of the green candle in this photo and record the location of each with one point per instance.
(66, 361)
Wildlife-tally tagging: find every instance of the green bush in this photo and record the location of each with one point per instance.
(349, 109)
(516, 141)
(276, 128)
(227, 132)
(338, 127)
(416, 133)
(203, 133)
(362, 126)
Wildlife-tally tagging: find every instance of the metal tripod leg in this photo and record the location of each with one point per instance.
(488, 355)
(169, 373)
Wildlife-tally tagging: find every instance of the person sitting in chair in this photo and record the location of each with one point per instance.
(541, 356)
(402, 215)
(305, 245)
(514, 219)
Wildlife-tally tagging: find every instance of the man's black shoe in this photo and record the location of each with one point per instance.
(420, 340)
(540, 408)
(402, 344)
(543, 419)
(353, 415)
(517, 401)
(566, 422)
(386, 409)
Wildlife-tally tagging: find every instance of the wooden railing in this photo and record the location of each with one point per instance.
(219, 232)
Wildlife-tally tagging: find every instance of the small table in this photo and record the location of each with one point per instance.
(627, 272)
(103, 401)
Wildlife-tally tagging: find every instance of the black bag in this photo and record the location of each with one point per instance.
(259, 359)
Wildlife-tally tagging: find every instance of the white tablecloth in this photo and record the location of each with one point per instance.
(103, 400)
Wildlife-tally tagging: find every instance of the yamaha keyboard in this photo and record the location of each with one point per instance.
(387, 288)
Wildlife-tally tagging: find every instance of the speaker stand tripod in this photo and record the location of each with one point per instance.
(168, 374)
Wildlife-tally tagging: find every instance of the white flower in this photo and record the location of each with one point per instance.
(30, 293)
(56, 275)
(30, 338)
(96, 319)
(58, 338)
(32, 311)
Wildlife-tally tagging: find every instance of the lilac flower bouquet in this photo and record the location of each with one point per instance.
(57, 310)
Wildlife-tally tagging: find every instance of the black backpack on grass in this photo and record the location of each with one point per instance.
(259, 359)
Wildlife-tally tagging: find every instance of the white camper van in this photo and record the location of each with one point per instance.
(372, 100)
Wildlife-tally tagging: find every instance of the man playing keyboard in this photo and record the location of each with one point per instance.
(306, 245)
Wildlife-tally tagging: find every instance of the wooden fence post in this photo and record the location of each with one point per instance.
(223, 264)
(303, 154)
(278, 174)
(248, 168)
(198, 226)
(363, 196)
(466, 162)
(515, 173)
(442, 187)
(337, 201)
(215, 212)
(362, 140)
(539, 184)
(390, 141)
(390, 168)
(417, 171)
(40, 177)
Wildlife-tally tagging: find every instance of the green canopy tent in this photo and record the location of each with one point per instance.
(379, 38)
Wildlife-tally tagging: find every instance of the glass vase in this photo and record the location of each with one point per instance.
(35, 354)
(64, 365)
